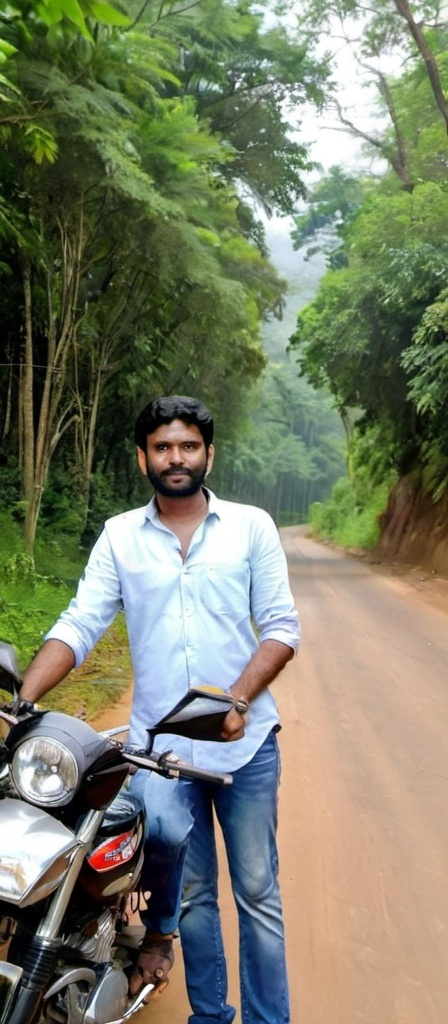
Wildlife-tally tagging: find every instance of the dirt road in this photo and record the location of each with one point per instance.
(364, 800)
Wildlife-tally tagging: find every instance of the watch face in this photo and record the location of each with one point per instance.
(242, 706)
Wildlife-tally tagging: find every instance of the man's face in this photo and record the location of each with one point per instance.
(176, 461)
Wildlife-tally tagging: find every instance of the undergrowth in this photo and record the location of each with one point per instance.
(346, 522)
(351, 516)
(32, 596)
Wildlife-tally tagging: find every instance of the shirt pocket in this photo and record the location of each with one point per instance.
(224, 588)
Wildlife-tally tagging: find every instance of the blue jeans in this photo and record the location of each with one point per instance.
(169, 822)
(247, 814)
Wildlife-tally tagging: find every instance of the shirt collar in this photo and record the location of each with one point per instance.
(152, 514)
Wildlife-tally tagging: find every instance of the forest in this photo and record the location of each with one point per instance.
(138, 142)
(141, 141)
(376, 333)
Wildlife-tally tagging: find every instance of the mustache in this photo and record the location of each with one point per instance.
(175, 472)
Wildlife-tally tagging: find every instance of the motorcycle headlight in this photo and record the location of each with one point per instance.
(44, 771)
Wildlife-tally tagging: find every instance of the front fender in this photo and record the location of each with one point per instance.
(35, 853)
(10, 977)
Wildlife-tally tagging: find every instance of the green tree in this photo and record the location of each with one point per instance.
(372, 33)
(127, 250)
(330, 204)
(24, 26)
(375, 334)
(57, 232)
(249, 83)
(426, 363)
(291, 451)
(353, 337)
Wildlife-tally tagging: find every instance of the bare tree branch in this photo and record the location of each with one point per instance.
(426, 53)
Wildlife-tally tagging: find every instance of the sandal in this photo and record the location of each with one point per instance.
(155, 959)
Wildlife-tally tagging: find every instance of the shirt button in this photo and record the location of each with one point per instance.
(189, 612)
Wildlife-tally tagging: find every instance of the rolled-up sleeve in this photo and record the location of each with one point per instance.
(272, 603)
(97, 601)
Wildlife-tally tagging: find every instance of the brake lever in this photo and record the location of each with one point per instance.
(25, 710)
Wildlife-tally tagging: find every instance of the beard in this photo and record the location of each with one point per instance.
(193, 480)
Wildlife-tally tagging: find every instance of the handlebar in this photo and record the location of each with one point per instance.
(168, 764)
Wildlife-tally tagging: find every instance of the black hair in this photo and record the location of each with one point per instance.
(173, 407)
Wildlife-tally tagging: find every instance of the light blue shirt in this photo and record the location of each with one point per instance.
(190, 623)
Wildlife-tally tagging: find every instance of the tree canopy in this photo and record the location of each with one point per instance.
(376, 332)
(137, 141)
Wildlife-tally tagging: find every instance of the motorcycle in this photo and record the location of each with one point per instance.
(71, 854)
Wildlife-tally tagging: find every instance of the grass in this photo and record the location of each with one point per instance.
(32, 596)
(100, 682)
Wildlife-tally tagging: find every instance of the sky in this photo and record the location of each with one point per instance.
(329, 145)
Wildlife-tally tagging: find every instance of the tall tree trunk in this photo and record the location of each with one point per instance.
(42, 430)
(26, 416)
(8, 405)
(87, 419)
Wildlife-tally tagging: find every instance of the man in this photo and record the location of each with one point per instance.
(203, 584)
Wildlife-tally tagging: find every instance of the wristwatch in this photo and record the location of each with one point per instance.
(241, 706)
